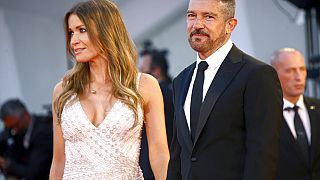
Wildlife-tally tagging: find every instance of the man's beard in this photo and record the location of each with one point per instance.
(196, 43)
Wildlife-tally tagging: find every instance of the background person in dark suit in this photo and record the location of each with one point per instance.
(228, 105)
(26, 142)
(299, 157)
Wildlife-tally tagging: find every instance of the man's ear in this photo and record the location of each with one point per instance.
(231, 24)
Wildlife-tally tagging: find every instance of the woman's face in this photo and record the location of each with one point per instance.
(82, 47)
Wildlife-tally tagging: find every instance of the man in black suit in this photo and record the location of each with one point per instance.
(26, 142)
(228, 105)
(299, 157)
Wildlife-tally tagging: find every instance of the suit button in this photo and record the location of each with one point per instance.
(193, 159)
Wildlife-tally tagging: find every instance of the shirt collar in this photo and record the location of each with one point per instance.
(216, 59)
(299, 103)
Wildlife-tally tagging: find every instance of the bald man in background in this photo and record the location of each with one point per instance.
(299, 155)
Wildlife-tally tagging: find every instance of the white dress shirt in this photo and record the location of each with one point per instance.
(214, 61)
(303, 113)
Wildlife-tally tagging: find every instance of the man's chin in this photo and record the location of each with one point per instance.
(198, 47)
(298, 93)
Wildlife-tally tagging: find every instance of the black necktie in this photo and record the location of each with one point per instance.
(301, 133)
(196, 97)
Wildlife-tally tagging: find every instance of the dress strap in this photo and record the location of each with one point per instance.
(138, 79)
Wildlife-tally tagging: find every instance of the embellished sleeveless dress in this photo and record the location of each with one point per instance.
(109, 151)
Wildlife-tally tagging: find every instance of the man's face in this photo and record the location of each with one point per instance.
(292, 74)
(207, 26)
(145, 64)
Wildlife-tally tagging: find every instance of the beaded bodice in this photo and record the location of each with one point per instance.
(108, 151)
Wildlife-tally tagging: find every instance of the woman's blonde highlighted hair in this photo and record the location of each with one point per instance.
(108, 33)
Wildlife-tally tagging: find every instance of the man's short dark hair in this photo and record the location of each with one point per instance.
(229, 8)
(12, 107)
(147, 48)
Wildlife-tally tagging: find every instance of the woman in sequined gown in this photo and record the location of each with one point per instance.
(102, 102)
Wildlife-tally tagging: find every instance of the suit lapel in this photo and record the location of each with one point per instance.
(227, 71)
(314, 114)
(182, 121)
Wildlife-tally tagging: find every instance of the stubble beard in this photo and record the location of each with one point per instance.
(199, 46)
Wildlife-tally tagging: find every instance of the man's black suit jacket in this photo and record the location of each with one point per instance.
(37, 157)
(292, 165)
(238, 131)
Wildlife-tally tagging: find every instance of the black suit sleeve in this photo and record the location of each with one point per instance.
(39, 160)
(4, 135)
(263, 112)
(174, 167)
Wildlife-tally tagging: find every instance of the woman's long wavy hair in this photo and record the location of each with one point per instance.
(108, 33)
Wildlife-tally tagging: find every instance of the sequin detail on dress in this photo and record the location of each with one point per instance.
(110, 151)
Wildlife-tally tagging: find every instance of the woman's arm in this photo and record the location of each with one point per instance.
(57, 166)
(155, 125)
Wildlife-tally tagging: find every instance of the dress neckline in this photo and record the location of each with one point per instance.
(104, 119)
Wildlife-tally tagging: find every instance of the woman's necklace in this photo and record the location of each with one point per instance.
(107, 99)
(93, 91)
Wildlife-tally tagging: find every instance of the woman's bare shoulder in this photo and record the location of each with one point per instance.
(147, 81)
(148, 86)
(57, 89)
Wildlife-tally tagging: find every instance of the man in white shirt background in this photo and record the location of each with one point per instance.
(299, 155)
